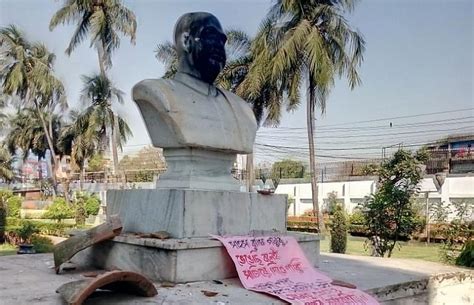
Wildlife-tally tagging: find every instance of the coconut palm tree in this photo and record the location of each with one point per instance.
(79, 139)
(6, 164)
(26, 71)
(98, 94)
(26, 134)
(103, 20)
(308, 43)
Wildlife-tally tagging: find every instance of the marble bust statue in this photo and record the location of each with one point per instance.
(200, 127)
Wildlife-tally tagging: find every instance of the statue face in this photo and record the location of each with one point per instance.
(208, 50)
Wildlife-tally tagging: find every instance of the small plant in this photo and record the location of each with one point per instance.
(42, 244)
(332, 203)
(26, 231)
(338, 230)
(466, 258)
(458, 232)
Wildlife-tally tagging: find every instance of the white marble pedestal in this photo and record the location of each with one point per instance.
(189, 216)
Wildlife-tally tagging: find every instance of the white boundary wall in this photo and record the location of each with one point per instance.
(353, 192)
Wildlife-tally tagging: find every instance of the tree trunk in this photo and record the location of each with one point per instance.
(115, 131)
(40, 171)
(114, 127)
(49, 139)
(100, 52)
(312, 162)
(81, 176)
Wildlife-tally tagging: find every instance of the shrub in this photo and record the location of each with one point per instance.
(466, 258)
(42, 244)
(338, 230)
(357, 217)
(26, 231)
(3, 221)
(92, 205)
(59, 210)
(14, 206)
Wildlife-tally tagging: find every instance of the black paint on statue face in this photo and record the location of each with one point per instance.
(208, 52)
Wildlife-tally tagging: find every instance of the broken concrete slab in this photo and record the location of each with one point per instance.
(65, 250)
(76, 292)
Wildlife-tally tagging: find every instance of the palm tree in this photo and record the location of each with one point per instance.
(311, 41)
(6, 164)
(103, 20)
(26, 71)
(98, 94)
(27, 134)
(79, 139)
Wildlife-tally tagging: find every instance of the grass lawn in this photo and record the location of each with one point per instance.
(7, 249)
(412, 249)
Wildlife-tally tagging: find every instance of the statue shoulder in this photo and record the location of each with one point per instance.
(153, 91)
(237, 101)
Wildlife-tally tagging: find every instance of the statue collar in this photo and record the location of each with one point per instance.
(196, 84)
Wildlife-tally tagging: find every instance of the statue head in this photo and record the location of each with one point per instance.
(199, 42)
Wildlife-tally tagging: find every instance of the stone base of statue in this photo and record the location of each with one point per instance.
(189, 216)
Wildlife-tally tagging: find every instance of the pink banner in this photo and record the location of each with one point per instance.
(276, 265)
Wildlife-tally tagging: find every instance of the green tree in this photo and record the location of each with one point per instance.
(59, 210)
(338, 228)
(27, 72)
(285, 169)
(26, 133)
(103, 20)
(6, 164)
(306, 44)
(79, 141)
(99, 94)
(143, 166)
(96, 163)
(389, 212)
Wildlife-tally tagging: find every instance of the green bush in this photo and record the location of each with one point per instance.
(44, 228)
(14, 206)
(92, 205)
(357, 217)
(26, 231)
(338, 230)
(42, 244)
(3, 221)
(466, 258)
(59, 210)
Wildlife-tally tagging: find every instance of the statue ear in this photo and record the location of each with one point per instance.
(186, 41)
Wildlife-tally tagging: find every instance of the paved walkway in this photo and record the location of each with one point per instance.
(30, 279)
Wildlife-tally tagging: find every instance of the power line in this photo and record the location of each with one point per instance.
(390, 118)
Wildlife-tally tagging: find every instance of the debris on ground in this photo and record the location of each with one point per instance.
(75, 293)
(208, 293)
(65, 250)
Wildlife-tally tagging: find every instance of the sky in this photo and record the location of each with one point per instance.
(419, 60)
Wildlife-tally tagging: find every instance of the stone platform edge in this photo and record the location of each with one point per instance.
(200, 242)
(432, 289)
